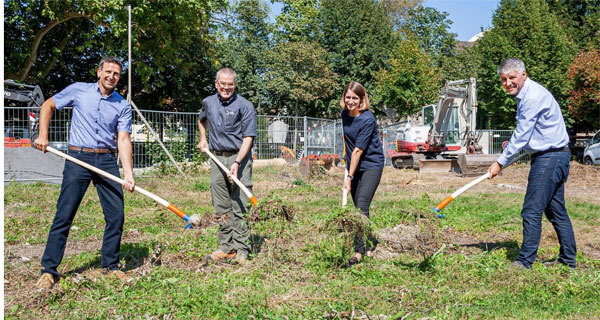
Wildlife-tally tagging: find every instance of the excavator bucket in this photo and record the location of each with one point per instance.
(475, 164)
(438, 165)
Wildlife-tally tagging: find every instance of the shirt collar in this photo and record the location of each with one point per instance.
(523, 90)
(227, 102)
(100, 93)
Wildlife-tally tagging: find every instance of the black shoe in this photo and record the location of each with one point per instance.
(351, 262)
(555, 262)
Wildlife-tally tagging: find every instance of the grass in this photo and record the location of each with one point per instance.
(461, 271)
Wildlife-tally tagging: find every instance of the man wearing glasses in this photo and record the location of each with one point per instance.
(232, 123)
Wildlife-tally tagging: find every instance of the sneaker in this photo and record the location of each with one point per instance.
(241, 258)
(555, 262)
(46, 281)
(219, 254)
(518, 265)
(119, 274)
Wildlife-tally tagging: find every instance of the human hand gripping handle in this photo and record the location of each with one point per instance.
(488, 175)
(232, 177)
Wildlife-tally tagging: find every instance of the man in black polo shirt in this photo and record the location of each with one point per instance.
(232, 123)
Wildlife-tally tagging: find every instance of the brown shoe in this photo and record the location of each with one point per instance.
(219, 254)
(120, 275)
(46, 281)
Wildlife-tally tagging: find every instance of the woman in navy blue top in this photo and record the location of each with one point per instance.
(364, 157)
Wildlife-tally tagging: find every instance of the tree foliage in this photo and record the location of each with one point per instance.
(70, 36)
(243, 45)
(527, 30)
(409, 81)
(358, 36)
(299, 77)
(431, 28)
(584, 92)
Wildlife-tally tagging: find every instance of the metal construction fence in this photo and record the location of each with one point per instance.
(179, 132)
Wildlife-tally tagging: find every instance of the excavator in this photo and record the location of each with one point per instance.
(445, 138)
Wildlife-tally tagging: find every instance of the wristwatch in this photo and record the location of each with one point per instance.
(351, 177)
(238, 163)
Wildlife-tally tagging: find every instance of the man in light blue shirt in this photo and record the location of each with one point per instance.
(540, 131)
(100, 114)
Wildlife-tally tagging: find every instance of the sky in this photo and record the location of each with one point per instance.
(468, 16)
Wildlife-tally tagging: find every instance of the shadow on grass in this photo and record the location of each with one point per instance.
(133, 254)
(512, 247)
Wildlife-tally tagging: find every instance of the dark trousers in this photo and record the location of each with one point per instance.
(546, 194)
(363, 186)
(76, 180)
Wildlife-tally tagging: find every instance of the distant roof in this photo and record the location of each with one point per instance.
(478, 36)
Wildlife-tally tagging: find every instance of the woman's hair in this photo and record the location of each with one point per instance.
(360, 91)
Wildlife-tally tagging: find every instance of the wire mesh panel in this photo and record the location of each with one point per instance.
(274, 132)
(389, 134)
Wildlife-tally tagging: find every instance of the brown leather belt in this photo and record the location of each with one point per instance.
(225, 153)
(92, 150)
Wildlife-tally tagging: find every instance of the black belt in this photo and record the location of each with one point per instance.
(92, 150)
(539, 153)
(225, 153)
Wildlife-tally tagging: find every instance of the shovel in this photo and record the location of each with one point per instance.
(468, 186)
(235, 179)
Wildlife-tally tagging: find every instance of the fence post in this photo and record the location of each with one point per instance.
(305, 137)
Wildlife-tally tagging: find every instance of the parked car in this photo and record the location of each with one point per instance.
(591, 154)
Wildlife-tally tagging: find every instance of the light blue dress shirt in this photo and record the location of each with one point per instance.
(540, 123)
(96, 119)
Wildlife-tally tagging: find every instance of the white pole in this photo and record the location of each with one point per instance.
(129, 65)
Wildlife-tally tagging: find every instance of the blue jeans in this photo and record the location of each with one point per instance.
(76, 180)
(546, 194)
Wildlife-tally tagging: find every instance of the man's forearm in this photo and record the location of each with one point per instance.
(125, 153)
(202, 129)
(244, 149)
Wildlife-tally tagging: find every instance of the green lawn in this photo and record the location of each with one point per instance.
(460, 271)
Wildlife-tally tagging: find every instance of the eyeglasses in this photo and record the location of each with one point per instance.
(226, 85)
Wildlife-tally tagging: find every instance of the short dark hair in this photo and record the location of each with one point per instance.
(110, 59)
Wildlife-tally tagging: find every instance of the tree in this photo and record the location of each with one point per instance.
(431, 28)
(43, 37)
(584, 92)
(298, 77)
(527, 30)
(581, 18)
(409, 81)
(243, 46)
(298, 20)
(358, 36)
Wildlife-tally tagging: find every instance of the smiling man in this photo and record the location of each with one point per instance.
(100, 114)
(540, 131)
(232, 123)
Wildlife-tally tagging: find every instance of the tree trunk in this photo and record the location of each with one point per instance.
(61, 46)
(38, 39)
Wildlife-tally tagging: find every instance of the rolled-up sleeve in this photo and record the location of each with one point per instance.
(66, 97)
(248, 121)
(124, 124)
(526, 120)
(365, 134)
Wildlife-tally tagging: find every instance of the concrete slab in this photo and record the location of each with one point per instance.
(30, 165)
